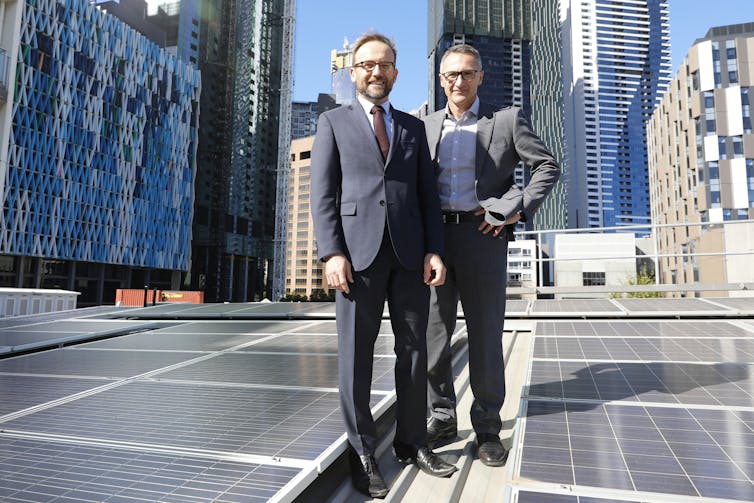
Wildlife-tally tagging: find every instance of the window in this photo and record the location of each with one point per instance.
(593, 278)
(738, 147)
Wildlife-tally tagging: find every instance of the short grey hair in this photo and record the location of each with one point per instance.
(462, 49)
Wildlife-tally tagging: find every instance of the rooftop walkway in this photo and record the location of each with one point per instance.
(632, 400)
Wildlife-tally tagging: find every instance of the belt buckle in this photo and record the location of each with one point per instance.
(451, 218)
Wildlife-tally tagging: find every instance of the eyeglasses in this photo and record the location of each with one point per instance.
(466, 75)
(369, 66)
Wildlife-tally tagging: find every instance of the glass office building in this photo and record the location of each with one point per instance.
(616, 67)
(98, 139)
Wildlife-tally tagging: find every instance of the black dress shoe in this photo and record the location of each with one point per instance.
(438, 430)
(490, 449)
(366, 476)
(426, 460)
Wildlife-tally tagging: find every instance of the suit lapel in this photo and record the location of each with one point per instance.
(433, 126)
(364, 129)
(398, 130)
(485, 127)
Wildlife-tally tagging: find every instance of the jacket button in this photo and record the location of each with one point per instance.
(382, 203)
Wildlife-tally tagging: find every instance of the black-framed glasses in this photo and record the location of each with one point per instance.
(466, 75)
(369, 66)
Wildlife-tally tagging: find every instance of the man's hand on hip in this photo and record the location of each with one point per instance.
(434, 270)
(338, 272)
(486, 228)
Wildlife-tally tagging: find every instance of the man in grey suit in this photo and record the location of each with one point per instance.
(475, 150)
(378, 227)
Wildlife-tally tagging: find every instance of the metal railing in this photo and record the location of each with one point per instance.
(651, 231)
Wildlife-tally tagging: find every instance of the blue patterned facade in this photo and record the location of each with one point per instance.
(101, 159)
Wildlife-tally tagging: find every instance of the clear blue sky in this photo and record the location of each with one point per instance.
(322, 24)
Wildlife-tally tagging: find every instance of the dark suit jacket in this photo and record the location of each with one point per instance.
(504, 137)
(354, 192)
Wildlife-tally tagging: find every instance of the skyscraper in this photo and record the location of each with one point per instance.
(616, 66)
(701, 157)
(245, 59)
(547, 106)
(340, 78)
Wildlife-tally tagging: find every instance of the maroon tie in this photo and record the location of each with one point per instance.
(380, 131)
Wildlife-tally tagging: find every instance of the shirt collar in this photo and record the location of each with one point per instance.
(367, 105)
(474, 109)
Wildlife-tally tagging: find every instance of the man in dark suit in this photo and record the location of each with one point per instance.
(378, 227)
(475, 150)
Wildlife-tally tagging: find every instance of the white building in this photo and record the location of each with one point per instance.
(594, 260)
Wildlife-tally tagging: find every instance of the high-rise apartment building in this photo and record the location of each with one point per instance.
(304, 115)
(98, 139)
(616, 65)
(701, 157)
(547, 106)
(245, 52)
(304, 274)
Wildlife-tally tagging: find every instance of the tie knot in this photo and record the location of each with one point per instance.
(377, 109)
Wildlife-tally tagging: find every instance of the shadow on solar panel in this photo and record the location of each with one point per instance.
(658, 381)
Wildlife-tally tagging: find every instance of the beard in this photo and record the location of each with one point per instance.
(375, 93)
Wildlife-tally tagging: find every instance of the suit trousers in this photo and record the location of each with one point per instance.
(477, 265)
(358, 319)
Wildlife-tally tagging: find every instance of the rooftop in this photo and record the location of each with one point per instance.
(608, 400)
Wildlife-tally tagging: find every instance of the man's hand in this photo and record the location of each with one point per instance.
(433, 263)
(486, 228)
(338, 272)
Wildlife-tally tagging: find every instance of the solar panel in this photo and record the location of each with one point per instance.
(647, 349)
(21, 392)
(642, 410)
(162, 341)
(94, 362)
(316, 343)
(574, 307)
(45, 471)
(310, 370)
(640, 306)
(639, 328)
(539, 497)
(671, 450)
(516, 307)
(46, 334)
(743, 305)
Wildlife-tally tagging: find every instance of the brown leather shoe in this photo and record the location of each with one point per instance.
(490, 449)
(366, 476)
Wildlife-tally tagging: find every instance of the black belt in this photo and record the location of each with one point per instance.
(459, 217)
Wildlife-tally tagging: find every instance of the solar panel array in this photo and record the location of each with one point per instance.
(217, 410)
(624, 402)
(653, 410)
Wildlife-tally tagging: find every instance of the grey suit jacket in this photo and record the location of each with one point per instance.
(504, 137)
(354, 193)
